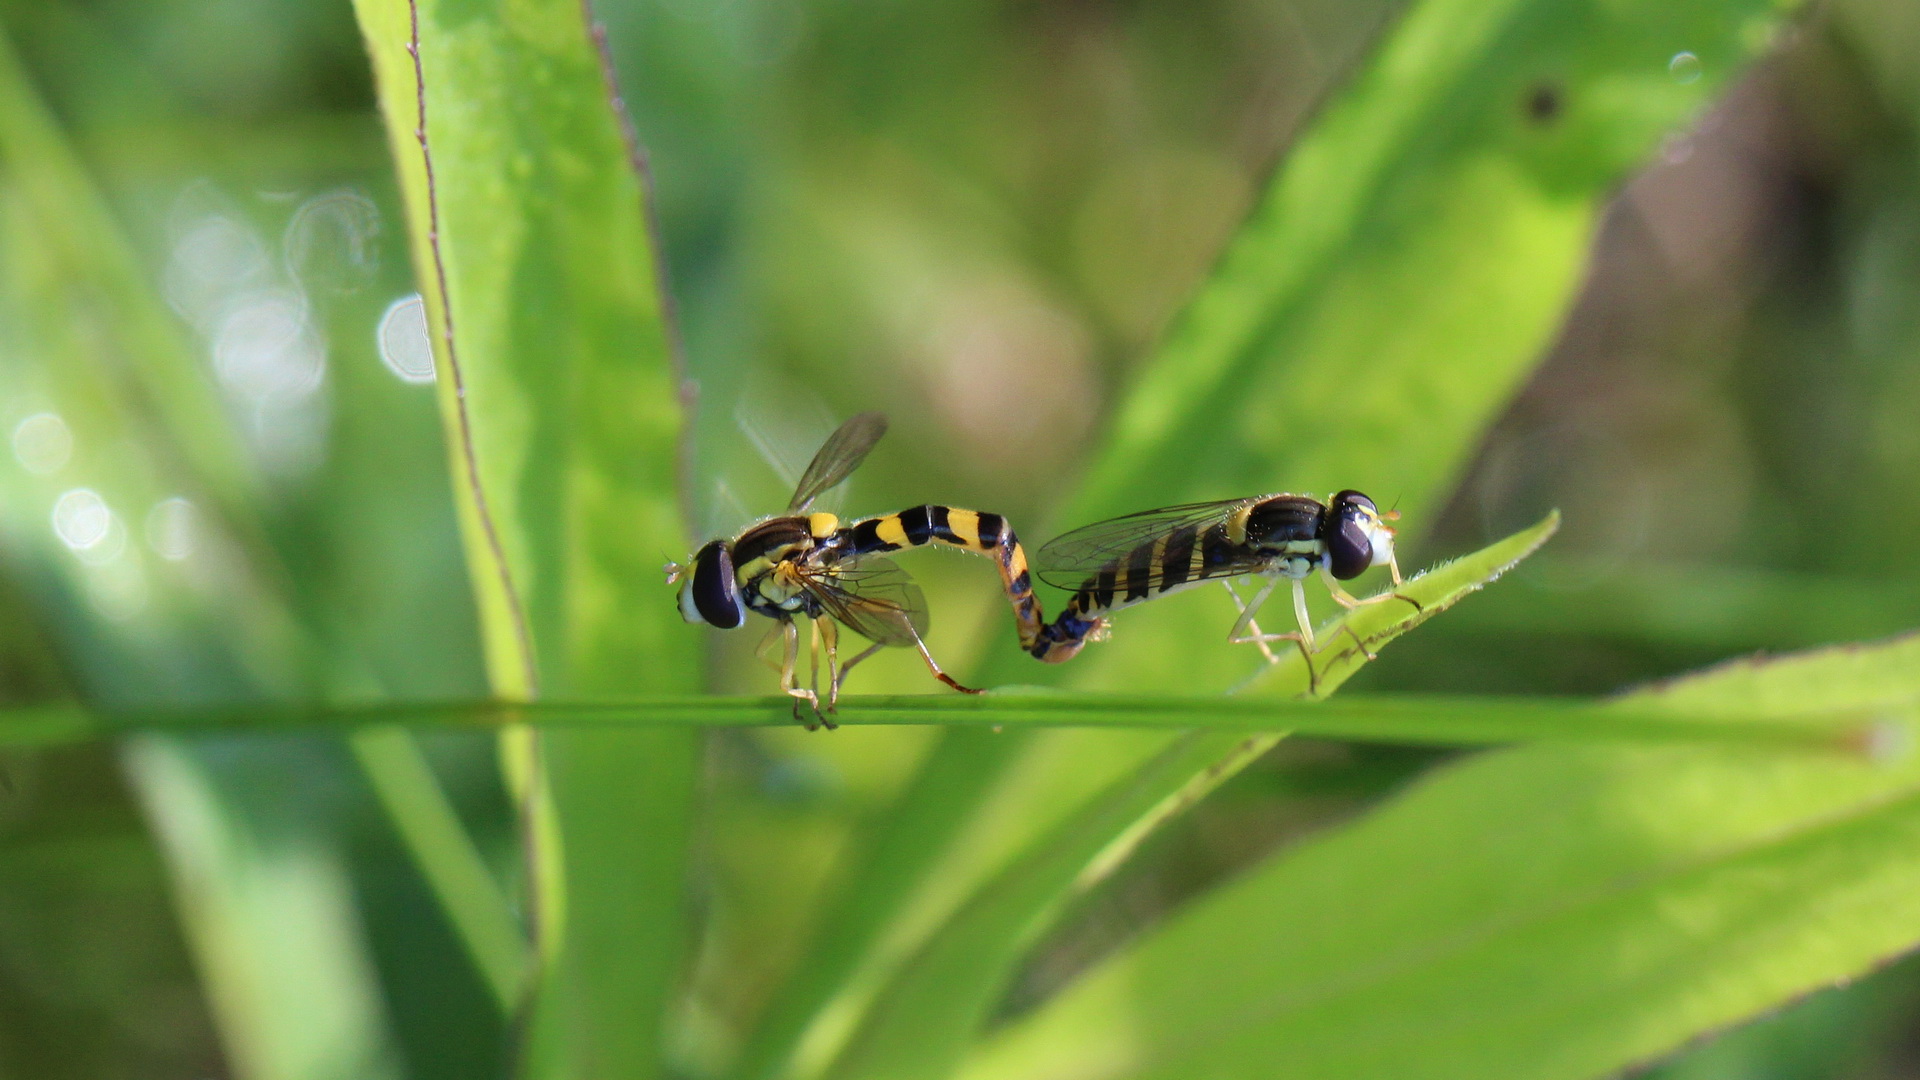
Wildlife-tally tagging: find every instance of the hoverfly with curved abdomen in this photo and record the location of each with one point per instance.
(1129, 560)
(808, 564)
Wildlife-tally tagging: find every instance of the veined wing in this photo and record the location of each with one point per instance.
(785, 425)
(1070, 559)
(874, 598)
(838, 457)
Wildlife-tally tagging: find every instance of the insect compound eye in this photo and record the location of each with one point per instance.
(1350, 537)
(710, 594)
(1349, 549)
(1349, 501)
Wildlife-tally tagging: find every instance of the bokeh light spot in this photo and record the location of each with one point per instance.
(43, 443)
(81, 518)
(404, 345)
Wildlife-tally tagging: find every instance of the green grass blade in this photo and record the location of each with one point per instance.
(1538, 912)
(561, 408)
(472, 900)
(1413, 719)
(267, 902)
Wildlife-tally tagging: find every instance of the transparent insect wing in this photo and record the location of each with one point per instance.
(722, 512)
(1069, 559)
(790, 427)
(874, 598)
(843, 452)
(785, 425)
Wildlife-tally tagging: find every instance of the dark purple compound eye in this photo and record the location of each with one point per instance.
(714, 592)
(1349, 544)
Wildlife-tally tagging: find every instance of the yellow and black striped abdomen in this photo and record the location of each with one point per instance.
(1134, 558)
(969, 530)
(1187, 556)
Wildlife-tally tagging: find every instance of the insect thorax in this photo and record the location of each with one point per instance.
(1285, 521)
(764, 558)
(1287, 528)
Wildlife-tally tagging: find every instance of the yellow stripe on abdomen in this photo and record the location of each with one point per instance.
(965, 527)
(889, 530)
(968, 530)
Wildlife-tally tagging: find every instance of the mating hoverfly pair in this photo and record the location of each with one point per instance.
(810, 564)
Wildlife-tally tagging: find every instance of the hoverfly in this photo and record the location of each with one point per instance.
(1129, 560)
(810, 565)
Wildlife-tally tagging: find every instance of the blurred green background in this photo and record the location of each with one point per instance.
(977, 217)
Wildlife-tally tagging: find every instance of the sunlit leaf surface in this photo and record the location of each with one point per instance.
(529, 233)
(1593, 908)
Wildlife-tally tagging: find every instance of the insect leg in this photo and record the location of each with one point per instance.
(848, 666)
(789, 677)
(1253, 625)
(764, 651)
(1305, 638)
(1301, 638)
(1393, 567)
(827, 630)
(1348, 600)
(813, 654)
(934, 667)
(1245, 629)
(832, 633)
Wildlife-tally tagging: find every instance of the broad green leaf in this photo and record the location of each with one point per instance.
(528, 225)
(1414, 254)
(1538, 912)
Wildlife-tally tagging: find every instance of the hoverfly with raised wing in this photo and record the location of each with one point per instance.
(810, 564)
